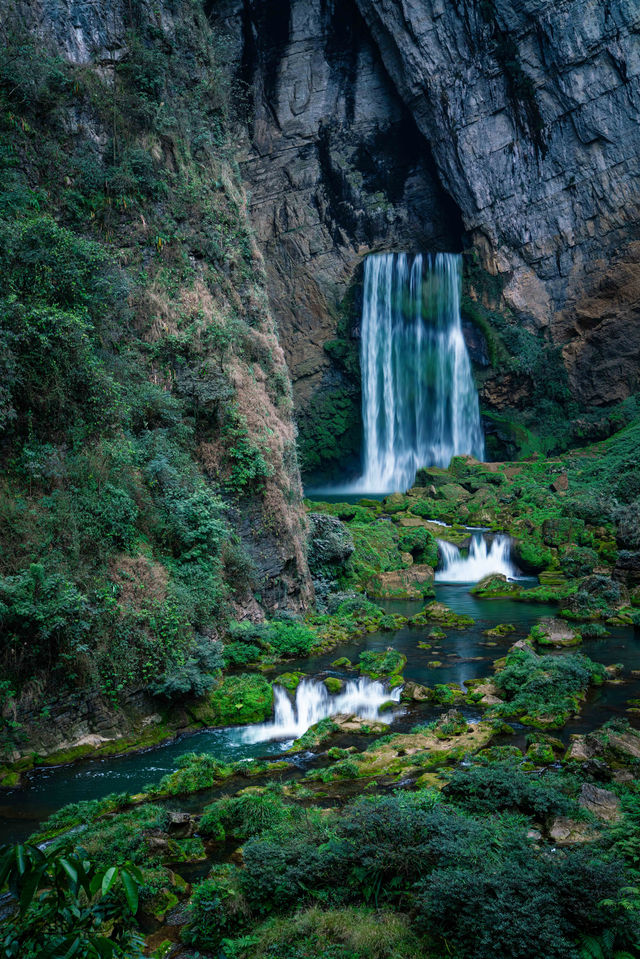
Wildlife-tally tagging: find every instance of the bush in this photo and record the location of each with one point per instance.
(545, 688)
(519, 909)
(43, 617)
(193, 673)
(246, 815)
(578, 561)
(502, 786)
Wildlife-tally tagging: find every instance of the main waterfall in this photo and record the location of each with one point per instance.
(419, 401)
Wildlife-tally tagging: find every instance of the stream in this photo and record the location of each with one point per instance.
(464, 655)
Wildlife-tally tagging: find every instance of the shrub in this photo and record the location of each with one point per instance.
(519, 909)
(502, 786)
(192, 672)
(546, 688)
(578, 561)
(246, 815)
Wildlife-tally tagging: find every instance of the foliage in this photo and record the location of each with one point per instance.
(68, 906)
(194, 675)
(545, 688)
(247, 698)
(503, 786)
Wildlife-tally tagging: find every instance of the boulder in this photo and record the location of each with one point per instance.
(402, 582)
(601, 802)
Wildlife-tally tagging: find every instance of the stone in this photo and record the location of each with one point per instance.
(181, 825)
(561, 483)
(601, 802)
(402, 582)
(555, 632)
(569, 832)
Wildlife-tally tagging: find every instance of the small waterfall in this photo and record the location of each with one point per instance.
(419, 401)
(481, 561)
(313, 702)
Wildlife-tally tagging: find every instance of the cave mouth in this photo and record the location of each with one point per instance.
(419, 400)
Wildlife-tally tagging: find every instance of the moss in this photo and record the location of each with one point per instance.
(380, 665)
(502, 629)
(315, 735)
(333, 684)
(290, 681)
(236, 700)
(439, 613)
(494, 587)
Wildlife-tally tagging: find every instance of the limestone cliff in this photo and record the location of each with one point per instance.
(404, 123)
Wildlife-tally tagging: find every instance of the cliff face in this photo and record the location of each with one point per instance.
(402, 123)
(336, 168)
(532, 112)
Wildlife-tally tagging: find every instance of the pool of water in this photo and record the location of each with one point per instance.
(464, 655)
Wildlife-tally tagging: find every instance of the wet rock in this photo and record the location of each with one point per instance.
(405, 583)
(415, 692)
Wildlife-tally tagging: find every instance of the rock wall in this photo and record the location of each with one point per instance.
(399, 123)
(336, 168)
(532, 111)
(270, 521)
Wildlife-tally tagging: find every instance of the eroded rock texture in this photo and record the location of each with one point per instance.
(336, 168)
(529, 109)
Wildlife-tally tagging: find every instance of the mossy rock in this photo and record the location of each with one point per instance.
(434, 664)
(333, 685)
(436, 634)
(554, 632)
(495, 586)
(540, 754)
(237, 700)
(502, 629)
(290, 681)
(531, 556)
(387, 664)
(342, 663)
(439, 613)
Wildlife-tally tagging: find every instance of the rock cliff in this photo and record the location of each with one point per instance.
(404, 123)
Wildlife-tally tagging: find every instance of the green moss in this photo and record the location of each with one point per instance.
(333, 684)
(290, 681)
(236, 700)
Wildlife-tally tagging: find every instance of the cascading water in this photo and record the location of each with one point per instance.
(419, 401)
(313, 703)
(481, 561)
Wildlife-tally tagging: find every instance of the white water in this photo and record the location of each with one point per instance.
(313, 702)
(419, 401)
(481, 561)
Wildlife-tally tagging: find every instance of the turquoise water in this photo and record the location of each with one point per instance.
(464, 654)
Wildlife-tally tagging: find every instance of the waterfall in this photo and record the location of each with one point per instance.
(481, 561)
(313, 702)
(419, 401)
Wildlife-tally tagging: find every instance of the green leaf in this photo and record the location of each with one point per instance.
(28, 890)
(108, 879)
(131, 890)
(70, 871)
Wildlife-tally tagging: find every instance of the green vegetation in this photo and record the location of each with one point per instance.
(544, 690)
(132, 315)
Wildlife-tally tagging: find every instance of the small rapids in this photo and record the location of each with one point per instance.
(482, 560)
(362, 697)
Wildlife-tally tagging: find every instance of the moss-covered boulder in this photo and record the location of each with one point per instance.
(495, 586)
(554, 632)
(290, 681)
(333, 685)
(236, 700)
(439, 613)
(387, 664)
